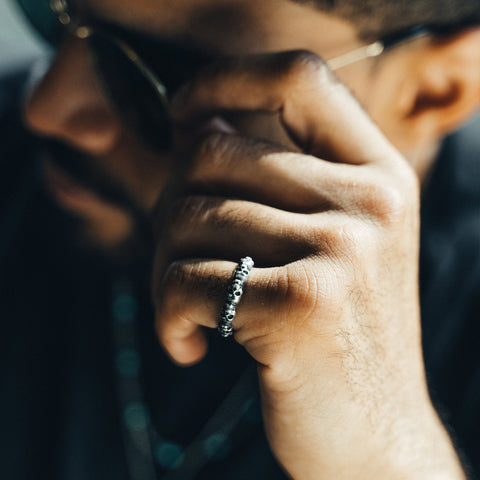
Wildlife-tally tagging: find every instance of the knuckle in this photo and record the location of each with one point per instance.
(224, 216)
(299, 289)
(391, 200)
(191, 215)
(351, 245)
(216, 157)
(303, 66)
(185, 214)
(173, 286)
(350, 239)
(312, 291)
(211, 147)
(388, 203)
(393, 206)
(209, 156)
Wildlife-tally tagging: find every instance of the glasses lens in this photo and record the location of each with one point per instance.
(43, 19)
(139, 99)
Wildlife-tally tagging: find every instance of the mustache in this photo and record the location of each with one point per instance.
(86, 171)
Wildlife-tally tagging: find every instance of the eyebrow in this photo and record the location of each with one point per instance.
(157, 22)
(90, 14)
(93, 11)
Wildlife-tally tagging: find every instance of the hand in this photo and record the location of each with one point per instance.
(331, 314)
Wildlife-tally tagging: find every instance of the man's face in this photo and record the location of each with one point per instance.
(70, 106)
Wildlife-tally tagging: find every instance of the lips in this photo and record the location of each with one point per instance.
(67, 191)
(112, 219)
(74, 178)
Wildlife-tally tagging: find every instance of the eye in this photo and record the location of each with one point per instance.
(138, 96)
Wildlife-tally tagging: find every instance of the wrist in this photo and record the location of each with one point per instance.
(413, 446)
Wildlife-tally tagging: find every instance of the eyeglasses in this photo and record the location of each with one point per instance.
(139, 85)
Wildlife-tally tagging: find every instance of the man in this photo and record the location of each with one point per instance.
(273, 156)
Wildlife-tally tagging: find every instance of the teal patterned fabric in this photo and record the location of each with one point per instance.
(40, 15)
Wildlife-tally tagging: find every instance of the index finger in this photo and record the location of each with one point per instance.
(317, 110)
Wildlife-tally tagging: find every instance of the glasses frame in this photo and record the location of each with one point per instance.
(59, 12)
(82, 31)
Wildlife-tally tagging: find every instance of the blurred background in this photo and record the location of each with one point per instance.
(19, 44)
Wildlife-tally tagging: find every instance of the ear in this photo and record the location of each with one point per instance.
(442, 89)
(424, 90)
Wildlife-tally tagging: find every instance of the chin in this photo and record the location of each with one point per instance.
(120, 240)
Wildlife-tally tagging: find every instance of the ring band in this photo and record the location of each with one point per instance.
(234, 295)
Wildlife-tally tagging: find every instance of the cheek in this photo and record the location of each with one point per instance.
(378, 92)
(358, 79)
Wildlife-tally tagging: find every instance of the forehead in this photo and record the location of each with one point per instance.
(171, 14)
(230, 24)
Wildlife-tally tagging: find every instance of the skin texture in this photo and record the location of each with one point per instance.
(332, 317)
(312, 189)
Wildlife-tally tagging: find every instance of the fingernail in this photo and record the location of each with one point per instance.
(217, 125)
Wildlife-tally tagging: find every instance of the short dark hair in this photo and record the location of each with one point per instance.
(377, 18)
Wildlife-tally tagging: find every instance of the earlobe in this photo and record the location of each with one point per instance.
(447, 79)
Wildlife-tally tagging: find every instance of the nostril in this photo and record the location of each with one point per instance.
(95, 130)
(84, 123)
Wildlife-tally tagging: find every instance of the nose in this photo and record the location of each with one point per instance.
(69, 105)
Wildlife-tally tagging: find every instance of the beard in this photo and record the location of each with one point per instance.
(133, 248)
(135, 244)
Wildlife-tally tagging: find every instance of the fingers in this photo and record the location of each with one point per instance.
(316, 109)
(214, 227)
(294, 208)
(234, 166)
(192, 295)
(231, 166)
